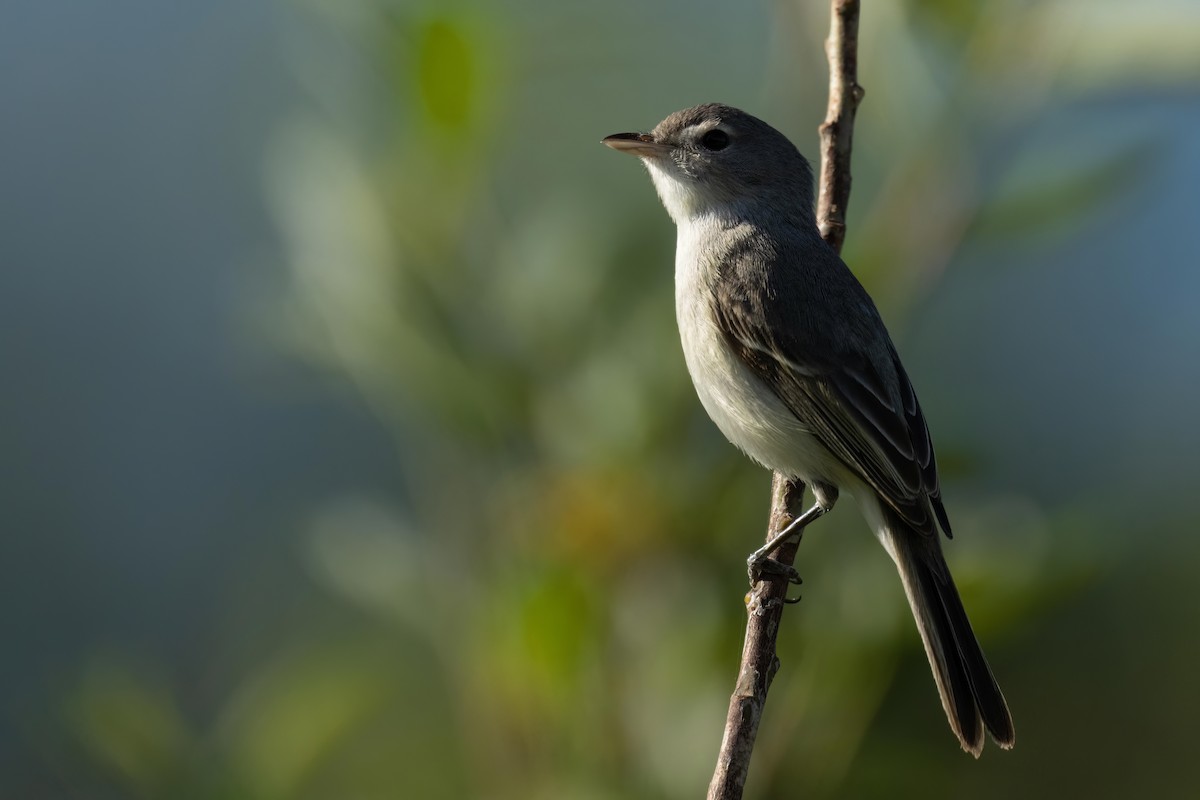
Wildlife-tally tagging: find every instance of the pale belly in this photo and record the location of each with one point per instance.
(742, 405)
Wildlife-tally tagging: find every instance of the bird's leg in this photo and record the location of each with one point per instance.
(760, 561)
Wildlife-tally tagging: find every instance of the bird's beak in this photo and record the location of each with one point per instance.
(636, 144)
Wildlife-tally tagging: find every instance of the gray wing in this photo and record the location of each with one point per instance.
(852, 393)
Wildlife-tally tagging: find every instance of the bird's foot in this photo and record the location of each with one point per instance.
(759, 565)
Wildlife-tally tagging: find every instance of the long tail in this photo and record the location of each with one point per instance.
(970, 696)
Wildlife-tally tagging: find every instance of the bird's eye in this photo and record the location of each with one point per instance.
(716, 139)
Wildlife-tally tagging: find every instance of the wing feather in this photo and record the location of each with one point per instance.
(865, 412)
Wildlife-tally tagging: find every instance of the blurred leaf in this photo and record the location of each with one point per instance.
(368, 553)
(1050, 193)
(446, 73)
(557, 623)
(296, 713)
(953, 20)
(130, 725)
(550, 621)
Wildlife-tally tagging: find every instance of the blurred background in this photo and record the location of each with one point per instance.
(347, 451)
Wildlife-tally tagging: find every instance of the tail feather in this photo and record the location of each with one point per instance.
(970, 695)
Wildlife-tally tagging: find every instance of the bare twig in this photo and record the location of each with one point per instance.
(764, 604)
(837, 132)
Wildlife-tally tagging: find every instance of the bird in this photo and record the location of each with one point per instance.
(791, 359)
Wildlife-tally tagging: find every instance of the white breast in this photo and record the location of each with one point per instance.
(745, 409)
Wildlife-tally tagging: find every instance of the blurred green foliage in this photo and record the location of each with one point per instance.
(553, 607)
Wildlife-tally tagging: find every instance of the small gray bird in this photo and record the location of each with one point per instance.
(793, 363)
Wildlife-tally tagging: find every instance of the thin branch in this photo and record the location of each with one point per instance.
(764, 604)
(837, 131)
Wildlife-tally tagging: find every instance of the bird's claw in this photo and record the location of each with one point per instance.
(757, 567)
